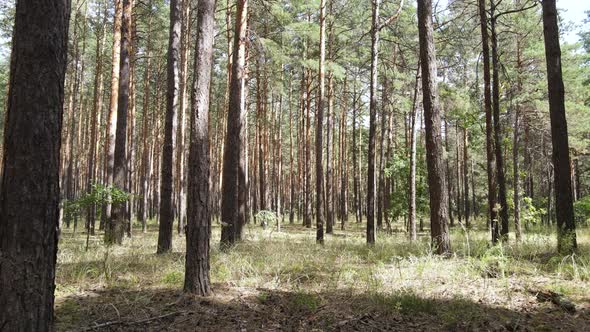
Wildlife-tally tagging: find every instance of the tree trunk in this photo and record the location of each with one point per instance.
(197, 280)
(319, 169)
(566, 227)
(172, 100)
(413, 133)
(113, 107)
(355, 159)
(146, 162)
(29, 189)
(466, 177)
(235, 118)
(116, 228)
(371, 192)
(501, 178)
(434, 148)
(97, 107)
(491, 161)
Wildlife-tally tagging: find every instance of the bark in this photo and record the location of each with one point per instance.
(434, 146)
(319, 169)
(235, 118)
(344, 160)
(172, 103)
(116, 227)
(371, 184)
(197, 280)
(182, 114)
(566, 227)
(146, 162)
(491, 161)
(29, 189)
(355, 159)
(413, 133)
(97, 107)
(466, 178)
(114, 101)
(501, 178)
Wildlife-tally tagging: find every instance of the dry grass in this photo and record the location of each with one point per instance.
(394, 276)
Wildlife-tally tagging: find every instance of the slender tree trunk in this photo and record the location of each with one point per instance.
(566, 227)
(197, 280)
(371, 184)
(116, 228)
(233, 150)
(343, 160)
(172, 100)
(434, 148)
(414, 131)
(491, 160)
(97, 107)
(466, 177)
(501, 178)
(319, 168)
(113, 107)
(29, 188)
(185, 39)
(355, 159)
(146, 162)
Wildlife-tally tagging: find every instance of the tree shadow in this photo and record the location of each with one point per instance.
(240, 309)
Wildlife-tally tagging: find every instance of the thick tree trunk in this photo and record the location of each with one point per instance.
(566, 227)
(29, 188)
(434, 147)
(172, 100)
(197, 280)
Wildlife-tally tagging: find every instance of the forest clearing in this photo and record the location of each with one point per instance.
(294, 165)
(276, 281)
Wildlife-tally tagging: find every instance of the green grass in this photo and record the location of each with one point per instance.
(395, 275)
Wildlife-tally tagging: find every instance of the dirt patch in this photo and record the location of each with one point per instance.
(244, 309)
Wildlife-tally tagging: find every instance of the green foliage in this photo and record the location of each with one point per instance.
(582, 210)
(531, 214)
(99, 195)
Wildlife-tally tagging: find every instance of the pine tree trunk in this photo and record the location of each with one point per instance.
(29, 188)
(172, 102)
(566, 227)
(501, 178)
(434, 147)
(235, 119)
(114, 103)
(371, 183)
(491, 160)
(413, 138)
(319, 168)
(116, 227)
(197, 280)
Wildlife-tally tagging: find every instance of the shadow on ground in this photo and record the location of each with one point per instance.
(240, 309)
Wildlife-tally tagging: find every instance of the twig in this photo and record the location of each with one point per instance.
(117, 322)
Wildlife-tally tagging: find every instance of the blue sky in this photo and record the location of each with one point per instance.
(574, 11)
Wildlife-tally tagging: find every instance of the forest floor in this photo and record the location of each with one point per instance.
(277, 281)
